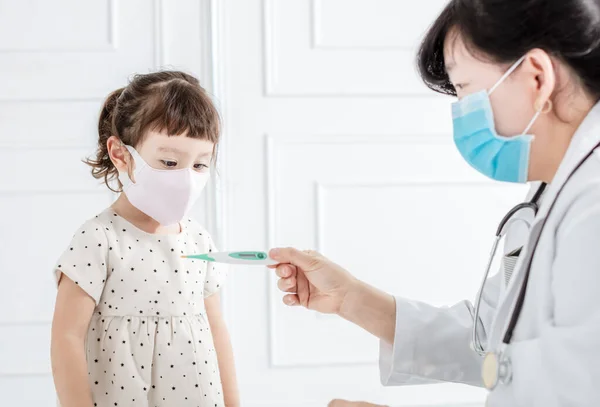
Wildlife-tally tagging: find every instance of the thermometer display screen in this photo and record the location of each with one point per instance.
(247, 255)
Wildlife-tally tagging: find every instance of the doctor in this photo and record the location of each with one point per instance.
(526, 75)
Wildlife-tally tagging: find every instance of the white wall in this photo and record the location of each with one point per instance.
(333, 143)
(330, 142)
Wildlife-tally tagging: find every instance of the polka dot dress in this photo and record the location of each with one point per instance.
(149, 341)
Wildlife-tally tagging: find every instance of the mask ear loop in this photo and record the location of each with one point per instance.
(130, 170)
(535, 116)
(506, 74)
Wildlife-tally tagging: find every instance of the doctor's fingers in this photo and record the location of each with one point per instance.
(286, 270)
(307, 260)
(291, 300)
(288, 285)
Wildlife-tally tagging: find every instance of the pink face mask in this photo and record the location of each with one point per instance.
(164, 195)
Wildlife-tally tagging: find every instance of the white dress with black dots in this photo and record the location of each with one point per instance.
(149, 341)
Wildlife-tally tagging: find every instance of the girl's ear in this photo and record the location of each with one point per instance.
(120, 156)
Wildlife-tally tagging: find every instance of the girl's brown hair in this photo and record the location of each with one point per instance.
(170, 101)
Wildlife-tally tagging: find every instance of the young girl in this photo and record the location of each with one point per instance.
(135, 324)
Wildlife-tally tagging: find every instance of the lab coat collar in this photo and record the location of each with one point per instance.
(584, 140)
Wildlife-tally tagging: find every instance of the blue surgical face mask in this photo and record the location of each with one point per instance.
(498, 157)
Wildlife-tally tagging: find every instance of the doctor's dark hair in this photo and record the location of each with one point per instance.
(505, 30)
(169, 101)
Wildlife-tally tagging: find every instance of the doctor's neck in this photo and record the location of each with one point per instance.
(554, 132)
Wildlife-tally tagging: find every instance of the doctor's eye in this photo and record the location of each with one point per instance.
(169, 163)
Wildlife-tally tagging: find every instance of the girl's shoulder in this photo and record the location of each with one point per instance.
(95, 226)
(84, 260)
(104, 219)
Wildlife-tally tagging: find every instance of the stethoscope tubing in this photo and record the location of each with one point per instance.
(506, 221)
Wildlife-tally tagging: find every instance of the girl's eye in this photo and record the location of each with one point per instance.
(200, 166)
(169, 164)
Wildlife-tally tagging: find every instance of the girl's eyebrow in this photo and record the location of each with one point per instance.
(169, 150)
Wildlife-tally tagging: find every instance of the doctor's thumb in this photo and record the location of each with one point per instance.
(306, 260)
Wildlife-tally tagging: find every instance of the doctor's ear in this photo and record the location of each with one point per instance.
(542, 71)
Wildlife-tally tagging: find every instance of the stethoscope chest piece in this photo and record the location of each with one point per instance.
(495, 369)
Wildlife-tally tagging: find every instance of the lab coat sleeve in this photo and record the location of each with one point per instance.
(433, 344)
(561, 367)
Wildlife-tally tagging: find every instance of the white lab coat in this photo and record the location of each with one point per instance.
(555, 350)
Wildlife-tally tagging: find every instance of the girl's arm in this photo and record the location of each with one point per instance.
(72, 314)
(224, 350)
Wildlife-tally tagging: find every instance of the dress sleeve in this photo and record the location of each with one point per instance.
(85, 260)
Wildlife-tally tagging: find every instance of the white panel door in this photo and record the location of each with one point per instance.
(333, 143)
(58, 60)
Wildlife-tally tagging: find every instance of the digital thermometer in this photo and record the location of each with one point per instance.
(249, 258)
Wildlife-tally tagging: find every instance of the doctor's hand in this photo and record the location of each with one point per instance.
(319, 284)
(312, 280)
(345, 403)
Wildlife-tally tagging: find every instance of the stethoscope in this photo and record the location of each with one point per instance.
(494, 370)
(496, 367)
(505, 223)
